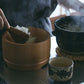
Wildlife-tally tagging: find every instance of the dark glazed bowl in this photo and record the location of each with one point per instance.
(70, 40)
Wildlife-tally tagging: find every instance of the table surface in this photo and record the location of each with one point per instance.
(10, 76)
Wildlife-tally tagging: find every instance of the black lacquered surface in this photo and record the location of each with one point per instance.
(10, 76)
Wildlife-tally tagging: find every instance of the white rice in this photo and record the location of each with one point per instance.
(26, 30)
(23, 29)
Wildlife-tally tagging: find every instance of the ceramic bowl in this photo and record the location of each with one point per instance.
(69, 32)
(61, 68)
(29, 56)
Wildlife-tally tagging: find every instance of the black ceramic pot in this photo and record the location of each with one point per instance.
(68, 40)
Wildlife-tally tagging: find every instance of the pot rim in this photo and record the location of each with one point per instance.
(68, 59)
(14, 43)
(65, 30)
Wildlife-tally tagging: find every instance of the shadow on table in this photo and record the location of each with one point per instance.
(25, 77)
(68, 82)
(78, 76)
